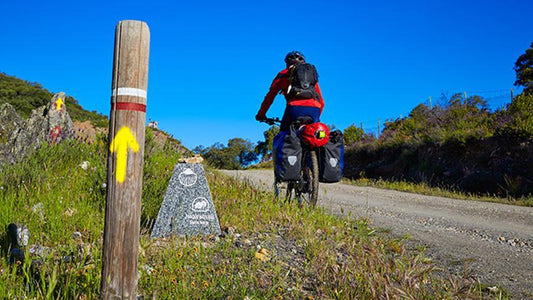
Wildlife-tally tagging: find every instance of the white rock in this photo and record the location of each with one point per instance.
(84, 165)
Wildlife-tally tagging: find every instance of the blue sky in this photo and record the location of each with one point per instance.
(211, 62)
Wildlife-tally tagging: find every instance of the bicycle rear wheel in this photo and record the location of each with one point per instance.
(308, 190)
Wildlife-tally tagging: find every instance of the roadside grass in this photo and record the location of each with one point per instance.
(425, 189)
(262, 165)
(267, 251)
(54, 196)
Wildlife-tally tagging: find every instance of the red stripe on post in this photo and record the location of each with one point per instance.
(129, 106)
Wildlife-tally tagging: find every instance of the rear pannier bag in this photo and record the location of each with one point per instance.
(287, 155)
(331, 159)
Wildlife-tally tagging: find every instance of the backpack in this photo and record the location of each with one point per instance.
(331, 159)
(287, 152)
(303, 77)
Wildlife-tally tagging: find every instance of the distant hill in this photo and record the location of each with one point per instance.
(25, 96)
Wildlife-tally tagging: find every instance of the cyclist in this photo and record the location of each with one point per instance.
(295, 107)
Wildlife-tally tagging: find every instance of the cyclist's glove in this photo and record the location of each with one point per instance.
(260, 118)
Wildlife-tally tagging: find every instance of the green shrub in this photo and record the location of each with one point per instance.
(353, 134)
(521, 114)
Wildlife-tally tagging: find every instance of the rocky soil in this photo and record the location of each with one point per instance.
(492, 241)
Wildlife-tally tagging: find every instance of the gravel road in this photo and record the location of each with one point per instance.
(494, 241)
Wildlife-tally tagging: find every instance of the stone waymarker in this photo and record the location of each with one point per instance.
(187, 208)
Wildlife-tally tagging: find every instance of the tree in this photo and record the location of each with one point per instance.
(524, 70)
(200, 149)
(264, 148)
(239, 153)
(244, 151)
(353, 134)
(521, 112)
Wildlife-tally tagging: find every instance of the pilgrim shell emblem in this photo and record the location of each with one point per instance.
(188, 177)
(200, 204)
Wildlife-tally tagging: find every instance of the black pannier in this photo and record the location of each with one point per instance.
(287, 155)
(331, 159)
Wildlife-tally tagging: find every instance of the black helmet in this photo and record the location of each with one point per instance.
(294, 57)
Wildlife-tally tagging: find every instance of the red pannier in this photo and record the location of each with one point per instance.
(315, 135)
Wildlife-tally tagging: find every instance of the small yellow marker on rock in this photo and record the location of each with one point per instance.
(59, 104)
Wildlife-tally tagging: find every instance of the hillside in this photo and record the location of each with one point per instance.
(26, 96)
(460, 145)
(29, 97)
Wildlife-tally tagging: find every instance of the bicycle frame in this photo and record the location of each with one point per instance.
(305, 189)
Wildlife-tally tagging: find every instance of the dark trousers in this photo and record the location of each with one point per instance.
(293, 112)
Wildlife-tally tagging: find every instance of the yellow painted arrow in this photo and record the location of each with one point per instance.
(59, 103)
(122, 140)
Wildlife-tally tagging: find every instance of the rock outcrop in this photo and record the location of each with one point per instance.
(10, 122)
(18, 137)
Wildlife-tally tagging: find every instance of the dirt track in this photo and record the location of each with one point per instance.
(494, 241)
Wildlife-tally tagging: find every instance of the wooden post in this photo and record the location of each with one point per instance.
(125, 161)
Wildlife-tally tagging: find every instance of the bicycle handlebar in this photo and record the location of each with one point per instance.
(271, 121)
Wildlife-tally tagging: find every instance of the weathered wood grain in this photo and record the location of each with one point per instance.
(123, 203)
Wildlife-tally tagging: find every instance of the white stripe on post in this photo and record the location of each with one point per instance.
(128, 91)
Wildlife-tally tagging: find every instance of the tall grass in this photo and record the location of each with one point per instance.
(54, 196)
(268, 251)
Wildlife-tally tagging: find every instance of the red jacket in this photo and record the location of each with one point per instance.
(281, 84)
